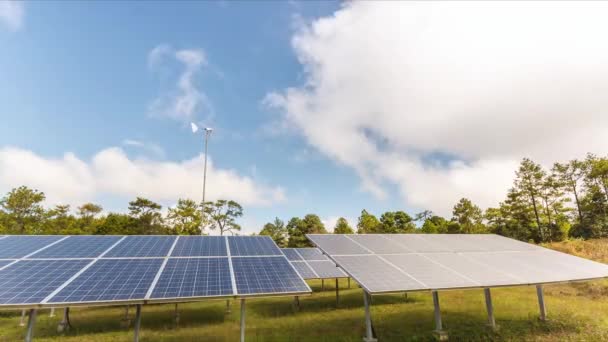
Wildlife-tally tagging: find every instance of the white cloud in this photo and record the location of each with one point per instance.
(185, 100)
(391, 85)
(11, 14)
(152, 148)
(111, 172)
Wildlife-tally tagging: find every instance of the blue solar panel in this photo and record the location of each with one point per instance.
(266, 275)
(5, 262)
(14, 247)
(312, 254)
(78, 247)
(30, 281)
(200, 246)
(142, 246)
(194, 277)
(304, 270)
(326, 269)
(253, 245)
(111, 280)
(291, 254)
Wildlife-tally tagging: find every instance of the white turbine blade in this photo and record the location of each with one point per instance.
(194, 127)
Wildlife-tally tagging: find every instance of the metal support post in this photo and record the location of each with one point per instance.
(322, 284)
(296, 303)
(176, 315)
(30, 326)
(541, 302)
(369, 334)
(348, 282)
(490, 308)
(52, 314)
(337, 293)
(405, 296)
(22, 322)
(126, 321)
(242, 320)
(439, 333)
(137, 322)
(65, 324)
(228, 308)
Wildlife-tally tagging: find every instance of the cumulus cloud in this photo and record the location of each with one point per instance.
(111, 172)
(11, 14)
(441, 99)
(185, 100)
(152, 148)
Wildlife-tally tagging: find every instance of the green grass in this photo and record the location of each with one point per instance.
(577, 312)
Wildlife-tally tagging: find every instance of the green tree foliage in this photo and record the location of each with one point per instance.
(147, 217)
(222, 215)
(342, 227)
(396, 222)
(468, 218)
(117, 224)
(435, 225)
(185, 218)
(23, 211)
(298, 228)
(368, 223)
(277, 231)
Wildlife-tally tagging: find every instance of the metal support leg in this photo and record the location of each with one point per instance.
(405, 296)
(296, 303)
(65, 324)
(322, 284)
(490, 309)
(348, 282)
(52, 314)
(22, 322)
(176, 315)
(242, 320)
(541, 302)
(439, 333)
(30, 326)
(337, 293)
(125, 322)
(228, 309)
(369, 334)
(137, 322)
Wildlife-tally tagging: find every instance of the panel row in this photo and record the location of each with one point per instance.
(88, 246)
(311, 263)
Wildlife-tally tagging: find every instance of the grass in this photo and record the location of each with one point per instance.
(577, 312)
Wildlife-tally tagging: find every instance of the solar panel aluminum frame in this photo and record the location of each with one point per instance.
(360, 283)
(345, 276)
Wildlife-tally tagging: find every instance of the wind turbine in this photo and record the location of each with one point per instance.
(208, 131)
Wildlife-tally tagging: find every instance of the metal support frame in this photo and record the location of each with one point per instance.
(137, 323)
(337, 293)
(65, 324)
(228, 308)
(22, 322)
(440, 334)
(541, 303)
(369, 333)
(296, 303)
(348, 282)
(52, 314)
(242, 320)
(489, 308)
(322, 284)
(176, 315)
(405, 296)
(125, 322)
(31, 322)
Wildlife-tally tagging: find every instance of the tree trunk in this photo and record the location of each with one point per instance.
(540, 229)
(578, 203)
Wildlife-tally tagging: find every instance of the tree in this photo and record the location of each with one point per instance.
(117, 224)
(24, 211)
(222, 215)
(298, 228)
(59, 221)
(87, 213)
(396, 222)
(185, 218)
(367, 223)
(528, 181)
(277, 232)
(342, 227)
(435, 225)
(148, 219)
(468, 216)
(423, 216)
(570, 175)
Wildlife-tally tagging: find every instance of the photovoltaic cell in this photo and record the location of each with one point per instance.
(337, 244)
(194, 277)
(429, 273)
(481, 273)
(291, 254)
(111, 280)
(5, 262)
(200, 246)
(266, 275)
(142, 246)
(252, 246)
(377, 243)
(326, 269)
(14, 247)
(310, 254)
(304, 270)
(30, 281)
(418, 243)
(78, 247)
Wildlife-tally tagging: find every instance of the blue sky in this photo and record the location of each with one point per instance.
(317, 107)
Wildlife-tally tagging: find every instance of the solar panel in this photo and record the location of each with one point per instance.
(190, 246)
(30, 281)
(427, 272)
(481, 273)
(84, 246)
(376, 275)
(377, 243)
(337, 244)
(418, 243)
(326, 269)
(194, 277)
(292, 254)
(252, 246)
(304, 270)
(266, 275)
(311, 254)
(111, 280)
(14, 247)
(142, 246)
(5, 262)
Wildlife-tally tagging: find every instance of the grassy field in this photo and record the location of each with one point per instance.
(577, 312)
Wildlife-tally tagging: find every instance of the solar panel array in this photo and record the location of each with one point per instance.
(312, 264)
(408, 262)
(38, 271)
